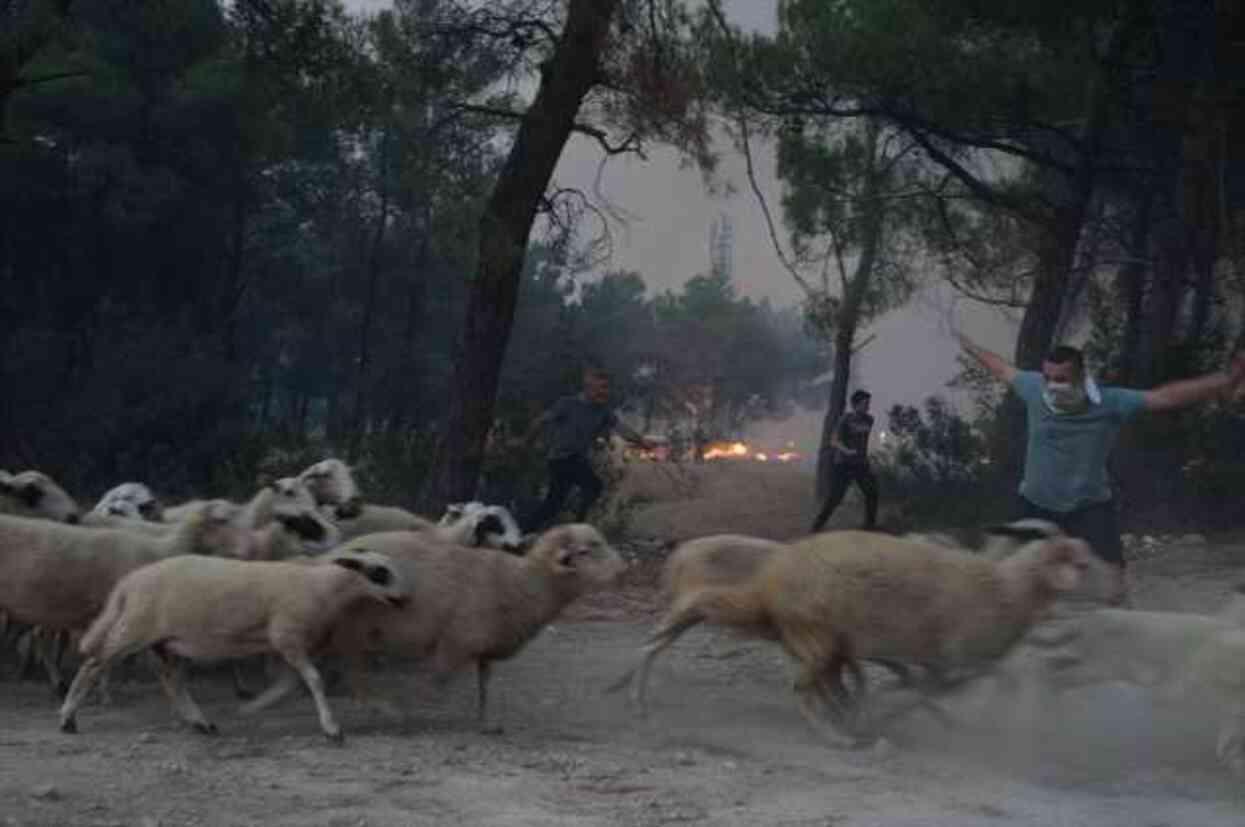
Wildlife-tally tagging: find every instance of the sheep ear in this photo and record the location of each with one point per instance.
(379, 574)
(490, 524)
(350, 509)
(454, 509)
(304, 525)
(30, 494)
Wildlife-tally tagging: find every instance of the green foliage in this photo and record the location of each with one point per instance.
(935, 471)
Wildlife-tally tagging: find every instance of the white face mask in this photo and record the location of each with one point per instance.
(1064, 397)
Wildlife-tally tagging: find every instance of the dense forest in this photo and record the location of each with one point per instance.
(234, 231)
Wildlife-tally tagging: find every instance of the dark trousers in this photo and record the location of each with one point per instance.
(841, 476)
(1096, 524)
(566, 473)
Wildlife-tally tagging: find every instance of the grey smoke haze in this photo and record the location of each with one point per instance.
(666, 239)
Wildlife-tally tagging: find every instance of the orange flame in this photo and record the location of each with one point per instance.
(717, 450)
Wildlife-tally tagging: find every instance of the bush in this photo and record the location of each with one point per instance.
(936, 473)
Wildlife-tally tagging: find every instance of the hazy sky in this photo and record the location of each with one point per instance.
(666, 239)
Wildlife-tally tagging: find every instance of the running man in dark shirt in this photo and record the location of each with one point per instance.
(850, 442)
(571, 426)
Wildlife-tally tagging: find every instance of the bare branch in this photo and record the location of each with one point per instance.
(31, 81)
(632, 144)
(745, 145)
(856, 348)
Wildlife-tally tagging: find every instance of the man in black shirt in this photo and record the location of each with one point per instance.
(850, 443)
(572, 425)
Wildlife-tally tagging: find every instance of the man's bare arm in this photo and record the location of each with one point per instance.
(999, 367)
(1182, 393)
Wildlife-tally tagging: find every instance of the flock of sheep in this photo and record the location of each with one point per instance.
(307, 571)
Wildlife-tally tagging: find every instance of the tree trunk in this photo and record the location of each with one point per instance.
(369, 305)
(403, 407)
(504, 228)
(1037, 329)
(1060, 238)
(1130, 286)
(873, 226)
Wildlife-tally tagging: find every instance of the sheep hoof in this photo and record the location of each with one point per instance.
(337, 739)
(61, 689)
(492, 729)
(206, 728)
(69, 726)
(244, 694)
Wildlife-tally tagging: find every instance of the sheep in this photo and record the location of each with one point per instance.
(466, 524)
(480, 607)
(331, 483)
(1176, 654)
(130, 500)
(258, 511)
(202, 608)
(58, 576)
(292, 532)
(839, 596)
(35, 494)
(1000, 539)
(732, 558)
(1217, 667)
(476, 524)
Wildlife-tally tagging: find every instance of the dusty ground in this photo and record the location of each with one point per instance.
(724, 746)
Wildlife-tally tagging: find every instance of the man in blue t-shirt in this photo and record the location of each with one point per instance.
(1072, 426)
(571, 426)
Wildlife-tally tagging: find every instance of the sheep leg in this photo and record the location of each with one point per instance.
(284, 684)
(811, 691)
(934, 685)
(820, 684)
(240, 689)
(296, 658)
(670, 630)
(172, 673)
(28, 652)
(46, 647)
(88, 674)
(484, 670)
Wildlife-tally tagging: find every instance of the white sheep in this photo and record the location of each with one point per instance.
(1181, 656)
(35, 494)
(58, 576)
(203, 608)
(129, 500)
(478, 607)
(1217, 668)
(467, 524)
(332, 484)
(476, 524)
(293, 531)
(289, 492)
(836, 597)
